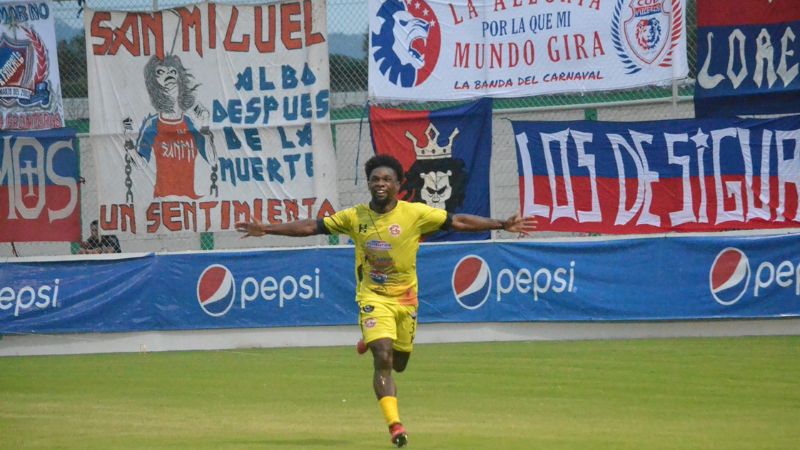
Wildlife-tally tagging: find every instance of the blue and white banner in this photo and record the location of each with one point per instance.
(610, 280)
(460, 49)
(747, 58)
(208, 114)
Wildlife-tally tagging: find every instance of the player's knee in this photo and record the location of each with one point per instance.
(382, 357)
(400, 361)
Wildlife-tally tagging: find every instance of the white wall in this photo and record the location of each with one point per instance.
(348, 335)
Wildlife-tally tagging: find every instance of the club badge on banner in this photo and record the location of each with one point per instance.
(445, 154)
(747, 58)
(39, 189)
(651, 177)
(446, 50)
(30, 86)
(208, 114)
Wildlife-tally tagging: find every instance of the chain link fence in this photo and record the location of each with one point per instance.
(348, 46)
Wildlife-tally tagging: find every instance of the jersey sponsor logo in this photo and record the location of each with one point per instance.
(471, 282)
(378, 277)
(216, 290)
(380, 262)
(729, 276)
(378, 245)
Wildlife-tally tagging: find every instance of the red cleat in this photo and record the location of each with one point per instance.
(361, 347)
(399, 435)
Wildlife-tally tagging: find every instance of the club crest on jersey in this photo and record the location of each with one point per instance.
(406, 47)
(646, 32)
(24, 68)
(370, 323)
(395, 230)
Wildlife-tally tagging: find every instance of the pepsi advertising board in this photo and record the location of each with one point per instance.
(646, 279)
(179, 292)
(616, 280)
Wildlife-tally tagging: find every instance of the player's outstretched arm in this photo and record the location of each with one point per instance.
(469, 222)
(299, 228)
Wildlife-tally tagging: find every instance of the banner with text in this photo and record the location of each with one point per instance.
(458, 49)
(39, 189)
(680, 278)
(648, 177)
(445, 155)
(30, 85)
(209, 114)
(748, 58)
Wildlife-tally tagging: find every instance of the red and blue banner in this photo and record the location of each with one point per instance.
(748, 58)
(679, 278)
(653, 177)
(445, 154)
(39, 189)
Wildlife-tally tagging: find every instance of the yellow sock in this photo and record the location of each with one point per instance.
(389, 409)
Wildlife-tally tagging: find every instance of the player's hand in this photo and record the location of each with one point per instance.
(252, 228)
(518, 224)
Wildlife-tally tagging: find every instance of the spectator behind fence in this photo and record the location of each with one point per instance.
(99, 244)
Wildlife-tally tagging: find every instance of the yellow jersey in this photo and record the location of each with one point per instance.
(386, 247)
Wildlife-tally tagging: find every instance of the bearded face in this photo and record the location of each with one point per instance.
(436, 189)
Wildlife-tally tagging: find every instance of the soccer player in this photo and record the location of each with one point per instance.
(386, 233)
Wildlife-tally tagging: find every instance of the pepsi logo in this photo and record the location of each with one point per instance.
(729, 276)
(472, 281)
(216, 290)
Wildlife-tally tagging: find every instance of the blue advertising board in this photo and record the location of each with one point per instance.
(645, 279)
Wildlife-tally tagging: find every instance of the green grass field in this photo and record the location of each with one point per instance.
(733, 393)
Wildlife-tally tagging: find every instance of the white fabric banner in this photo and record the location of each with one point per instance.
(209, 114)
(459, 49)
(30, 86)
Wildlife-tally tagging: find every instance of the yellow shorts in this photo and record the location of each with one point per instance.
(393, 321)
